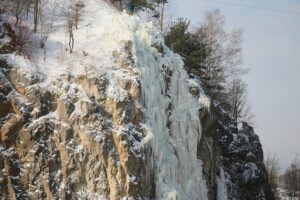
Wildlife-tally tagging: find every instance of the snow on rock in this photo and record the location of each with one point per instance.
(172, 116)
(221, 186)
(115, 119)
(243, 164)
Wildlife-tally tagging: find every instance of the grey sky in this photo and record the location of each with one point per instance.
(272, 52)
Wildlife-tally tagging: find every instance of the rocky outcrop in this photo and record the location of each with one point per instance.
(234, 154)
(243, 163)
(131, 133)
(72, 140)
(233, 162)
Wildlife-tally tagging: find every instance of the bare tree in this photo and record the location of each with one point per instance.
(15, 7)
(222, 56)
(226, 47)
(19, 9)
(238, 102)
(44, 33)
(28, 5)
(76, 7)
(292, 179)
(47, 24)
(221, 68)
(3, 9)
(23, 39)
(71, 24)
(161, 6)
(72, 14)
(36, 14)
(273, 168)
(158, 13)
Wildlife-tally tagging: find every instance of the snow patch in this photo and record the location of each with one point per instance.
(221, 186)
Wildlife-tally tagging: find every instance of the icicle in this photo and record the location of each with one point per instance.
(175, 130)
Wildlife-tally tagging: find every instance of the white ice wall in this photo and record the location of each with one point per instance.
(178, 172)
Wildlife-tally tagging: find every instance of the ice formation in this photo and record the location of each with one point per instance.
(171, 113)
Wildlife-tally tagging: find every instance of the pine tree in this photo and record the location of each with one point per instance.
(213, 55)
(186, 44)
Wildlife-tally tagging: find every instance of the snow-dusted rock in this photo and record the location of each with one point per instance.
(118, 119)
(65, 143)
(118, 123)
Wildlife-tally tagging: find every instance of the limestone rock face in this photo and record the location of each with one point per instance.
(140, 130)
(70, 140)
(128, 130)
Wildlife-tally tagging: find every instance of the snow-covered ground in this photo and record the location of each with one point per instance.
(283, 195)
(101, 30)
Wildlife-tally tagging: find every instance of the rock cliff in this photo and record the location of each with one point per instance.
(122, 121)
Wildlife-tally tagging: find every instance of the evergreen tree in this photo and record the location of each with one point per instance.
(186, 44)
(213, 55)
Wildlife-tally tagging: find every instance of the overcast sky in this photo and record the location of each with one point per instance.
(272, 53)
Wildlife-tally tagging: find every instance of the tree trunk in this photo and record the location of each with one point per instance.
(36, 15)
